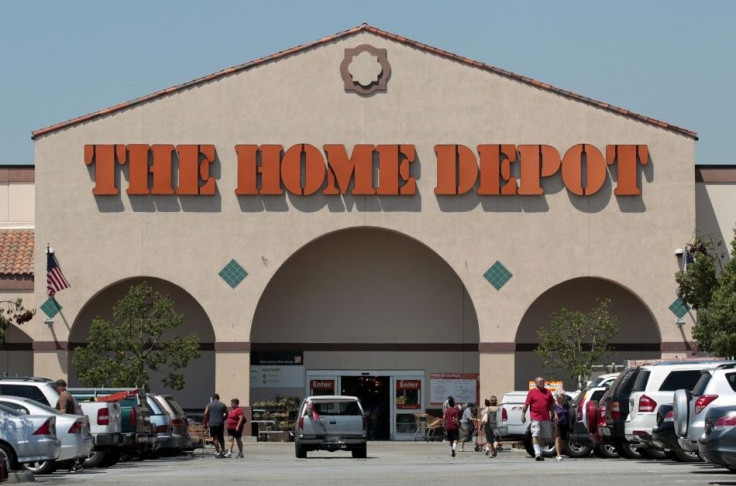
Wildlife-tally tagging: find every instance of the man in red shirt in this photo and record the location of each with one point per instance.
(540, 402)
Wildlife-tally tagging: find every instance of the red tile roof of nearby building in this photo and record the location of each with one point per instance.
(16, 251)
(397, 38)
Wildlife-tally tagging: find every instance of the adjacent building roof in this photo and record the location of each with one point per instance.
(350, 32)
(16, 251)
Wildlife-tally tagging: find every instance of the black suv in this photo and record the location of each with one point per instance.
(616, 403)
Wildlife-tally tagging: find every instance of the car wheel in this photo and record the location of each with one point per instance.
(681, 412)
(681, 455)
(625, 450)
(301, 452)
(95, 459)
(40, 467)
(607, 451)
(652, 453)
(574, 448)
(112, 457)
(360, 452)
(12, 459)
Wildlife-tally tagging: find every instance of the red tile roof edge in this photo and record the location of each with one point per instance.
(381, 33)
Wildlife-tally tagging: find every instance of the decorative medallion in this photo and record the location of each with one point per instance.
(365, 69)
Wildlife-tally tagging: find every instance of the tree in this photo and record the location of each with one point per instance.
(709, 287)
(575, 340)
(141, 340)
(13, 312)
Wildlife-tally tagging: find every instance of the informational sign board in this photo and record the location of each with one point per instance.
(277, 376)
(463, 387)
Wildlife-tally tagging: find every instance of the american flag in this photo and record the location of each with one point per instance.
(55, 280)
(689, 259)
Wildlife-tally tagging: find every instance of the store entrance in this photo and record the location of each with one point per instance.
(374, 393)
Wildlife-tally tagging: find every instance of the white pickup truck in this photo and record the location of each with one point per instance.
(508, 416)
(331, 422)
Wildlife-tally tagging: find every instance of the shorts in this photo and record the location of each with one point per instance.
(452, 435)
(235, 433)
(541, 429)
(218, 432)
(563, 431)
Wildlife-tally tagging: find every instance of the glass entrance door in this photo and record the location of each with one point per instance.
(389, 398)
(407, 391)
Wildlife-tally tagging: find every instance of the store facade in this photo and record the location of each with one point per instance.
(365, 206)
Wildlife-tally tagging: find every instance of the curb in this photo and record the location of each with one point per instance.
(17, 477)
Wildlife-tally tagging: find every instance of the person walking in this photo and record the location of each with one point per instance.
(562, 421)
(488, 420)
(468, 425)
(234, 423)
(214, 417)
(539, 401)
(451, 421)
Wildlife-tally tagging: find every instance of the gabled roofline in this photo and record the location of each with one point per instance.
(355, 30)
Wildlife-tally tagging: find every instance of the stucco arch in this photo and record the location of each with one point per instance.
(368, 298)
(199, 375)
(16, 355)
(639, 335)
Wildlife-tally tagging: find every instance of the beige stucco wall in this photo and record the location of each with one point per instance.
(17, 204)
(715, 214)
(430, 100)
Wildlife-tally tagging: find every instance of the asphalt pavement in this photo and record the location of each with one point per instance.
(412, 463)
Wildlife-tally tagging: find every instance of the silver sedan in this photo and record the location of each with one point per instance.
(27, 438)
(72, 431)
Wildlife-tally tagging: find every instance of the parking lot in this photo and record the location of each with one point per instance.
(425, 463)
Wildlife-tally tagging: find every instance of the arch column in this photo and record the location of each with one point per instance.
(496, 363)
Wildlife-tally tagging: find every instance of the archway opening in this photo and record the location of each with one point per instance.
(365, 302)
(638, 336)
(199, 374)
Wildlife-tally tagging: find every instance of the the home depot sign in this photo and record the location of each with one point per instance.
(303, 169)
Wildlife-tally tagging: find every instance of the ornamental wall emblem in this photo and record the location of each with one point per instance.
(365, 69)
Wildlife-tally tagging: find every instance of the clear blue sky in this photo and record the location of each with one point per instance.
(671, 60)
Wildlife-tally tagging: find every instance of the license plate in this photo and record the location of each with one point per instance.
(604, 431)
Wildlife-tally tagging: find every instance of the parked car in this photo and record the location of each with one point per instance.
(603, 380)
(656, 385)
(168, 443)
(4, 466)
(138, 436)
(179, 420)
(664, 437)
(614, 408)
(716, 387)
(104, 417)
(72, 431)
(28, 438)
(718, 444)
(331, 422)
(584, 424)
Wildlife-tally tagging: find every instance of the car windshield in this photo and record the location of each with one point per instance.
(335, 408)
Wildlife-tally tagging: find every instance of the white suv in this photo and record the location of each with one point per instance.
(655, 385)
(716, 388)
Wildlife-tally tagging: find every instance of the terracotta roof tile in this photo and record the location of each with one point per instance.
(16, 251)
(348, 33)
